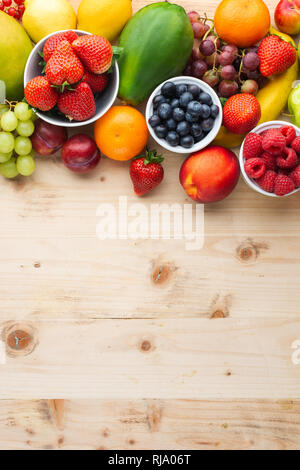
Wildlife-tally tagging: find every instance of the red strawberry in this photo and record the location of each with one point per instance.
(241, 113)
(95, 52)
(97, 82)
(78, 104)
(40, 94)
(54, 41)
(283, 185)
(275, 55)
(64, 66)
(146, 172)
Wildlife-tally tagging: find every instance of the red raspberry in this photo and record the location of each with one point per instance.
(289, 134)
(296, 145)
(273, 142)
(252, 146)
(295, 175)
(267, 181)
(269, 160)
(288, 159)
(283, 185)
(255, 167)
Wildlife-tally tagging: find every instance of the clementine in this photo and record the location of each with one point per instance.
(242, 22)
(122, 133)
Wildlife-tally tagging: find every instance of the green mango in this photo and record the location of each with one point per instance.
(15, 47)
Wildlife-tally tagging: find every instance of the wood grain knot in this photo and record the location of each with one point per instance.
(219, 314)
(37, 265)
(161, 274)
(145, 346)
(20, 339)
(250, 250)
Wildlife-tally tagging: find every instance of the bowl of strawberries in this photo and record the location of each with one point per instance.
(270, 159)
(71, 78)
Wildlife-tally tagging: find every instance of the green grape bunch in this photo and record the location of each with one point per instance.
(16, 128)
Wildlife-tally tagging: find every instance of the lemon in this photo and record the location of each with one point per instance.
(43, 17)
(104, 17)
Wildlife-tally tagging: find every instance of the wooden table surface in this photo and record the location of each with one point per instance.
(119, 357)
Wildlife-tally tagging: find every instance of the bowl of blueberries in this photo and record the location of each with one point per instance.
(184, 114)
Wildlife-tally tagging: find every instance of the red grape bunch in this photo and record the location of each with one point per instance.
(14, 8)
(224, 67)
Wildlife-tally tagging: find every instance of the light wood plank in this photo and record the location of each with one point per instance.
(188, 358)
(128, 425)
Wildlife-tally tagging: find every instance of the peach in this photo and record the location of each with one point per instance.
(210, 175)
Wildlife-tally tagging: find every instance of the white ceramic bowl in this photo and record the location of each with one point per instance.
(103, 101)
(212, 134)
(259, 129)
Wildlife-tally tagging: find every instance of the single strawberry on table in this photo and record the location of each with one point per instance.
(275, 55)
(40, 94)
(64, 66)
(53, 42)
(98, 83)
(78, 104)
(95, 52)
(146, 172)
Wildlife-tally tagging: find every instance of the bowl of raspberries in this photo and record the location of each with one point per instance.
(270, 159)
(71, 78)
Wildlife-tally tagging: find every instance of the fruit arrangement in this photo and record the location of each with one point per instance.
(249, 65)
(76, 70)
(16, 127)
(272, 159)
(183, 114)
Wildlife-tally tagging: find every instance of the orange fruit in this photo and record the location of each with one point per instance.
(242, 22)
(122, 133)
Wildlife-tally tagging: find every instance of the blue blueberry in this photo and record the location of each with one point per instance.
(185, 98)
(214, 110)
(154, 121)
(194, 108)
(187, 141)
(190, 118)
(183, 128)
(173, 138)
(205, 98)
(207, 124)
(175, 103)
(178, 114)
(194, 90)
(196, 131)
(180, 89)
(161, 131)
(171, 124)
(164, 111)
(168, 90)
(205, 111)
(157, 100)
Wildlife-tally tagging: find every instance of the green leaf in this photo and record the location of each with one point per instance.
(151, 157)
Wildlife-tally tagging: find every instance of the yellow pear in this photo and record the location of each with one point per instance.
(43, 17)
(104, 17)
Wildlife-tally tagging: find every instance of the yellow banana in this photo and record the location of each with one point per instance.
(272, 99)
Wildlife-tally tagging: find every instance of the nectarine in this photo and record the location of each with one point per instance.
(210, 175)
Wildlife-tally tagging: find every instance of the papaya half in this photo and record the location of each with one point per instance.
(157, 43)
(272, 99)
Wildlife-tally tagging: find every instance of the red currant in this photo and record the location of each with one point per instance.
(7, 3)
(19, 2)
(1, 7)
(12, 12)
(21, 10)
